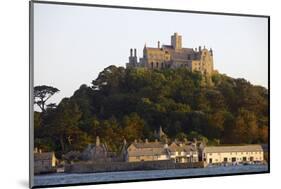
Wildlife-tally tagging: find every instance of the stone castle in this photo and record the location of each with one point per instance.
(173, 56)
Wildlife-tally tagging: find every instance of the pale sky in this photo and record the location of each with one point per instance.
(72, 44)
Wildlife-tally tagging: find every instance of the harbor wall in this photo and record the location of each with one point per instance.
(91, 167)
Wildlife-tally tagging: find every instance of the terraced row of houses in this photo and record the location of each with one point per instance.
(180, 152)
(158, 150)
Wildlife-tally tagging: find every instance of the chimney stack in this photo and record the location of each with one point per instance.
(97, 141)
(158, 44)
(131, 52)
(135, 52)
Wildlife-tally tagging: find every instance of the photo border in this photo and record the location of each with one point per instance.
(31, 85)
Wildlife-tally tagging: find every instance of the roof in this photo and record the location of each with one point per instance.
(181, 148)
(148, 152)
(43, 156)
(244, 148)
(149, 145)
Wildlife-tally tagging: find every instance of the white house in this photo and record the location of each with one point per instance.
(233, 154)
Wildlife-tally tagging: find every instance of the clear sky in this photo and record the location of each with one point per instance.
(72, 44)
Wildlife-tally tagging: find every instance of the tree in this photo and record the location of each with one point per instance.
(65, 126)
(42, 93)
(133, 127)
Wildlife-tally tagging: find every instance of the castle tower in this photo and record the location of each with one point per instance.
(176, 41)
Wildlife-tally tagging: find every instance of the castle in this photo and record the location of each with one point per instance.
(173, 56)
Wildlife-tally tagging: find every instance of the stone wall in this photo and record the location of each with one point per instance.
(89, 167)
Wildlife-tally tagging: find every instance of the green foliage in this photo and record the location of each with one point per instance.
(133, 103)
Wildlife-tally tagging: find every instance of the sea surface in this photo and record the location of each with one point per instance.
(66, 178)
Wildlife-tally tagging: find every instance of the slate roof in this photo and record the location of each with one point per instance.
(149, 145)
(148, 152)
(183, 148)
(244, 148)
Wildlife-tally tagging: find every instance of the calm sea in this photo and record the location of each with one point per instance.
(64, 178)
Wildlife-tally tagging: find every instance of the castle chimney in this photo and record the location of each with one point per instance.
(211, 51)
(158, 44)
(135, 52)
(97, 141)
(199, 48)
(195, 49)
(131, 52)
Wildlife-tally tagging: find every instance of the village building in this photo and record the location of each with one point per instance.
(147, 151)
(233, 154)
(44, 162)
(183, 152)
(98, 152)
(173, 56)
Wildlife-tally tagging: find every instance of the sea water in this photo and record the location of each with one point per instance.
(71, 178)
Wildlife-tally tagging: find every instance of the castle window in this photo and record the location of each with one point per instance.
(162, 65)
(188, 57)
(157, 65)
(151, 64)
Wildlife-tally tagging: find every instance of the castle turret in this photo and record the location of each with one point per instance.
(211, 51)
(133, 59)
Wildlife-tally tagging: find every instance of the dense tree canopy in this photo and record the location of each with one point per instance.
(133, 103)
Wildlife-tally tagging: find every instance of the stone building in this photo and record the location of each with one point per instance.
(233, 154)
(179, 152)
(173, 56)
(147, 151)
(98, 152)
(44, 162)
